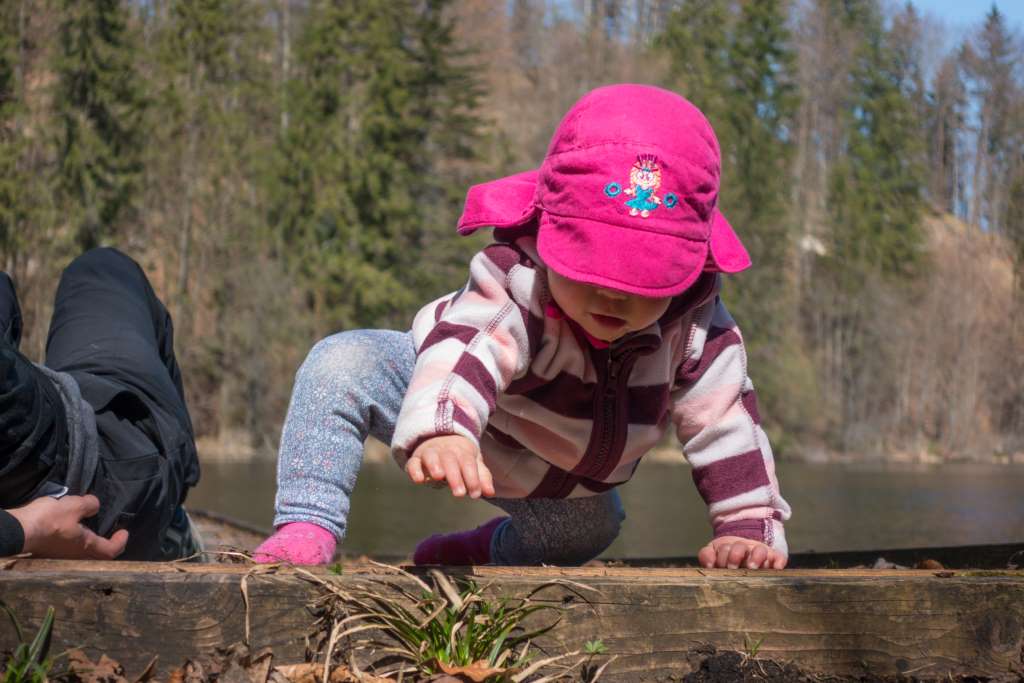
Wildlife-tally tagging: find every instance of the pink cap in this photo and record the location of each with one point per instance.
(626, 197)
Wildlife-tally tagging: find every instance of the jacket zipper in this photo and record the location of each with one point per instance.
(610, 418)
(608, 399)
(606, 425)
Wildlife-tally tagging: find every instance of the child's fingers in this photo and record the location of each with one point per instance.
(414, 468)
(757, 557)
(453, 474)
(737, 554)
(467, 466)
(706, 556)
(722, 558)
(779, 561)
(432, 464)
(486, 480)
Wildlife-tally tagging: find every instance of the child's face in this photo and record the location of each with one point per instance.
(607, 314)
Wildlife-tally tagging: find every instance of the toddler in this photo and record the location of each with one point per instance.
(589, 326)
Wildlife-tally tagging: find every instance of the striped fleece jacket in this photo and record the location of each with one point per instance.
(556, 416)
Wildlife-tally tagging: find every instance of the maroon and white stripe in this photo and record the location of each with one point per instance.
(489, 359)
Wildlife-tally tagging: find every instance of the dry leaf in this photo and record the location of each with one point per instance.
(276, 676)
(194, 672)
(176, 676)
(234, 673)
(104, 671)
(298, 673)
(259, 669)
(311, 673)
(147, 673)
(478, 672)
(930, 564)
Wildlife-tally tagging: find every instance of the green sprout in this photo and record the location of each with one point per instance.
(752, 647)
(27, 663)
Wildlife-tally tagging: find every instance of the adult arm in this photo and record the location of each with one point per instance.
(34, 427)
(12, 536)
(52, 527)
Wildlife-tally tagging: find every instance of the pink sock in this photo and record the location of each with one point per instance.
(460, 549)
(297, 543)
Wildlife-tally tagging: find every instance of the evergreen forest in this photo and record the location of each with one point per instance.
(284, 169)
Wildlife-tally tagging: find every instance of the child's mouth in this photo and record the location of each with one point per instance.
(609, 321)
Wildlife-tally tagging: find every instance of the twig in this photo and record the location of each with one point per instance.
(330, 650)
(540, 663)
(597, 674)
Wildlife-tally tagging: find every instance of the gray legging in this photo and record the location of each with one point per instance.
(350, 387)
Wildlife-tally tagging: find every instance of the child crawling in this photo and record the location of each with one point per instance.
(590, 324)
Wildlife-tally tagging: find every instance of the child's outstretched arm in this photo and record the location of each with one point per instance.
(470, 346)
(716, 420)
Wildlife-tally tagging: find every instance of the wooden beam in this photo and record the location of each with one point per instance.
(839, 622)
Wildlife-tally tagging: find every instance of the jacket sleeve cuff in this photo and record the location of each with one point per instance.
(12, 536)
(416, 426)
(771, 532)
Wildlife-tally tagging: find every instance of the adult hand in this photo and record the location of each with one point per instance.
(733, 552)
(454, 459)
(53, 528)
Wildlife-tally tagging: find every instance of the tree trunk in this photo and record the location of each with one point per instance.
(284, 38)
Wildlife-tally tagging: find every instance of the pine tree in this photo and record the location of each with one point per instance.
(11, 183)
(99, 106)
(876, 190)
(761, 105)
(210, 123)
(210, 133)
(696, 39)
(378, 103)
(991, 60)
(755, 132)
(735, 62)
(946, 121)
(876, 242)
(26, 214)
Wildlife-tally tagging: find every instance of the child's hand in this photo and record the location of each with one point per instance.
(454, 459)
(733, 552)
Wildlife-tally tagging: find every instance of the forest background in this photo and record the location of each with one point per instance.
(283, 169)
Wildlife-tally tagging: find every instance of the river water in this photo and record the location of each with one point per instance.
(835, 506)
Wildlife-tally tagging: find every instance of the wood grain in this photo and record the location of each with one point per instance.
(841, 622)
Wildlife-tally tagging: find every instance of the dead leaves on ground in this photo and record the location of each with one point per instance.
(235, 665)
(477, 672)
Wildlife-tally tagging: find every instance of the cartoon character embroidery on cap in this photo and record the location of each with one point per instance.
(644, 180)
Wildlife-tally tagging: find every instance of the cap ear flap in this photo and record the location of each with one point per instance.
(503, 203)
(727, 254)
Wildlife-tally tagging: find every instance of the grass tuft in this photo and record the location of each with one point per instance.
(28, 663)
(452, 626)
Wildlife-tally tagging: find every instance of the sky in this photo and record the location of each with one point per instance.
(959, 15)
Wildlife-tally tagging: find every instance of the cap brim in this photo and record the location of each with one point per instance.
(640, 262)
(727, 255)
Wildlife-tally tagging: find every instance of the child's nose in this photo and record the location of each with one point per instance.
(612, 294)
